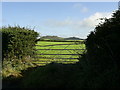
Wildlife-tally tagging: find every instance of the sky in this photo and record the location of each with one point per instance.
(63, 19)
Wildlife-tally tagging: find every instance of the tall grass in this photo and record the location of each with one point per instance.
(13, 67)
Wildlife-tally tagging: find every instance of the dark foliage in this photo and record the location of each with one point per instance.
(102, 57)
(17, 42)
(103, 44)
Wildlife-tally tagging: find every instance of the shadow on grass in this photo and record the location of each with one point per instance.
(53, 75)
(66, 76)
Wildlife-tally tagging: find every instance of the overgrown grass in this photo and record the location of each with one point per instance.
(13, 67)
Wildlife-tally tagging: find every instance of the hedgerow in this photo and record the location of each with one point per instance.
(103, 43)
(17, 42)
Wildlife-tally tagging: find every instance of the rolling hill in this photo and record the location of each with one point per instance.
(58, 38)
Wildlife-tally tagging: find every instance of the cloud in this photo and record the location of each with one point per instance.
(81, 7)
(88, 22)
(77, 5)
(56, 23)
(94, 19)
(72, 27)
(84, 9)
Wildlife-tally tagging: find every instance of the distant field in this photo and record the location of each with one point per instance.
(58, 45)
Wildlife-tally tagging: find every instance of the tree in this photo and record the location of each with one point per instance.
(103, 44)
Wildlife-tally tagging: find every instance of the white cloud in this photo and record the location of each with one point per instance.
(57, 23)
(80, 7)
(84, 9)
(71, 27)
(77, 5)
(94, 19)
(89, 22)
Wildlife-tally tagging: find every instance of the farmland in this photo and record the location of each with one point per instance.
(98, 67)
(61, 52)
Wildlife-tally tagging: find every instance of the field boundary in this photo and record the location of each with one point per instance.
(58, 54)
(63, 40)
(52, 56)
(59, 49)
(56, 45)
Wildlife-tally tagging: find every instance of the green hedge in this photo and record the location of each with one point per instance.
(17, 42)
(103, 44)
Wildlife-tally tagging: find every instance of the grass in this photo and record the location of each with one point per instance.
(64, 76)
(56, 45)
(13, 67)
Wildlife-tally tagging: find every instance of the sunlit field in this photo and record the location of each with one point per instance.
(60, 52)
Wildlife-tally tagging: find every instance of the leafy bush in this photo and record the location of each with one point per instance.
(103, 44)
(15, 66)
(102, 60)
(17, 49)
(17, 42)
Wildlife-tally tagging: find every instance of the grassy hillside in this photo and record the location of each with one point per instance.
(58, 38)
(72, 38)
(51, 38)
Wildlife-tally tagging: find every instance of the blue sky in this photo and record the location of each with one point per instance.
(65, 19)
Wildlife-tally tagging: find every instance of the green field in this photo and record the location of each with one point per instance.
(58, 45)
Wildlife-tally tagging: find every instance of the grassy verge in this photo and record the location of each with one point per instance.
(13, 67)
